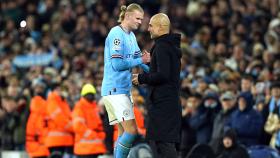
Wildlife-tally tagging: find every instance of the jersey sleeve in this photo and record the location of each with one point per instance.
(138, 54)
(145, 68)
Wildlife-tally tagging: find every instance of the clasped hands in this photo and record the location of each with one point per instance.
(146, 58)
(135, 79)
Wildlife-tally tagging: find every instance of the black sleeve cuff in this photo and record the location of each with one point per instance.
(141, 78)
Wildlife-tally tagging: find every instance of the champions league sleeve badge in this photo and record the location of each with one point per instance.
(117, 43)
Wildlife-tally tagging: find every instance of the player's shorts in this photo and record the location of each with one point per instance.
(119, 108)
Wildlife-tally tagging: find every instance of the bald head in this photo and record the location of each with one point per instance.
(162, 20)
(159, 25)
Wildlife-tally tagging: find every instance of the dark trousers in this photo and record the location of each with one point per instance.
(58, 152)
(163, 149)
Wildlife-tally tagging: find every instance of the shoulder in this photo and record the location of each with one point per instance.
(78, 104)
(161, 47)
(133, 35)
(77, 108)
(165, 45)
(235, 113)
(115, 31)
(116, 36)
(241, 151)
(161, 43)
(256, 113)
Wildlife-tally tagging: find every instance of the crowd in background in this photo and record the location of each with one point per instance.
(231, 57)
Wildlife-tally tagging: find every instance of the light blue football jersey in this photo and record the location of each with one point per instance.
(121, 54)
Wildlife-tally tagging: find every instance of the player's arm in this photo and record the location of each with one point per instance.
(121, 64)
(138, 54)
(145, 67)
(116, 46)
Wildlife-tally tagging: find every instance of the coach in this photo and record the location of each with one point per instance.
(164, 113)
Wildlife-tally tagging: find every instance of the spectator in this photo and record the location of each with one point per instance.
(188, 137)
(228, 106)
(88, 127)
(231, 147)
(60, 139)
(246, 121)
(199, 119)
(272, 122)
(37, 127)
(246, 83)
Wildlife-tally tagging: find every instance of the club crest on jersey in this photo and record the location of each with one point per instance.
(126, 113)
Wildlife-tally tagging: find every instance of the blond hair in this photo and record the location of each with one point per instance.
(130, 8)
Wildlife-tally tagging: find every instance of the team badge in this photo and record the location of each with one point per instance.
(126, 113)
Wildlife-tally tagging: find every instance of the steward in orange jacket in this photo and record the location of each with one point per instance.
(140, 121)
(60, 135)
(36, 129)
(88, 127)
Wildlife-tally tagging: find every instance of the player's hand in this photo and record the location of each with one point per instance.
(135, 79)
(146, 57)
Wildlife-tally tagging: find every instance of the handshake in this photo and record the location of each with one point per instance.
(146, 57)
(135, 79)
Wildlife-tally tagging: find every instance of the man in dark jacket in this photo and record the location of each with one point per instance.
(231, 148)
(246, 121)
(228, 107)
(164, 112)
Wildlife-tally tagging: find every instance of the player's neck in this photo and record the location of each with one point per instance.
(125, 27)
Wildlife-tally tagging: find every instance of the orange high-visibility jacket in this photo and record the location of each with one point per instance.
(60, 126)
(36, 128)
(88, 128)
(139, 118)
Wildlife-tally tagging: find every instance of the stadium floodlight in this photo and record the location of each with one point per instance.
(23, 23)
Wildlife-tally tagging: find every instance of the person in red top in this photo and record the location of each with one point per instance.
(36, 129)
(60, 138)
(88, 126)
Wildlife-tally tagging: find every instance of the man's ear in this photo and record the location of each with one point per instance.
(126, 14)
